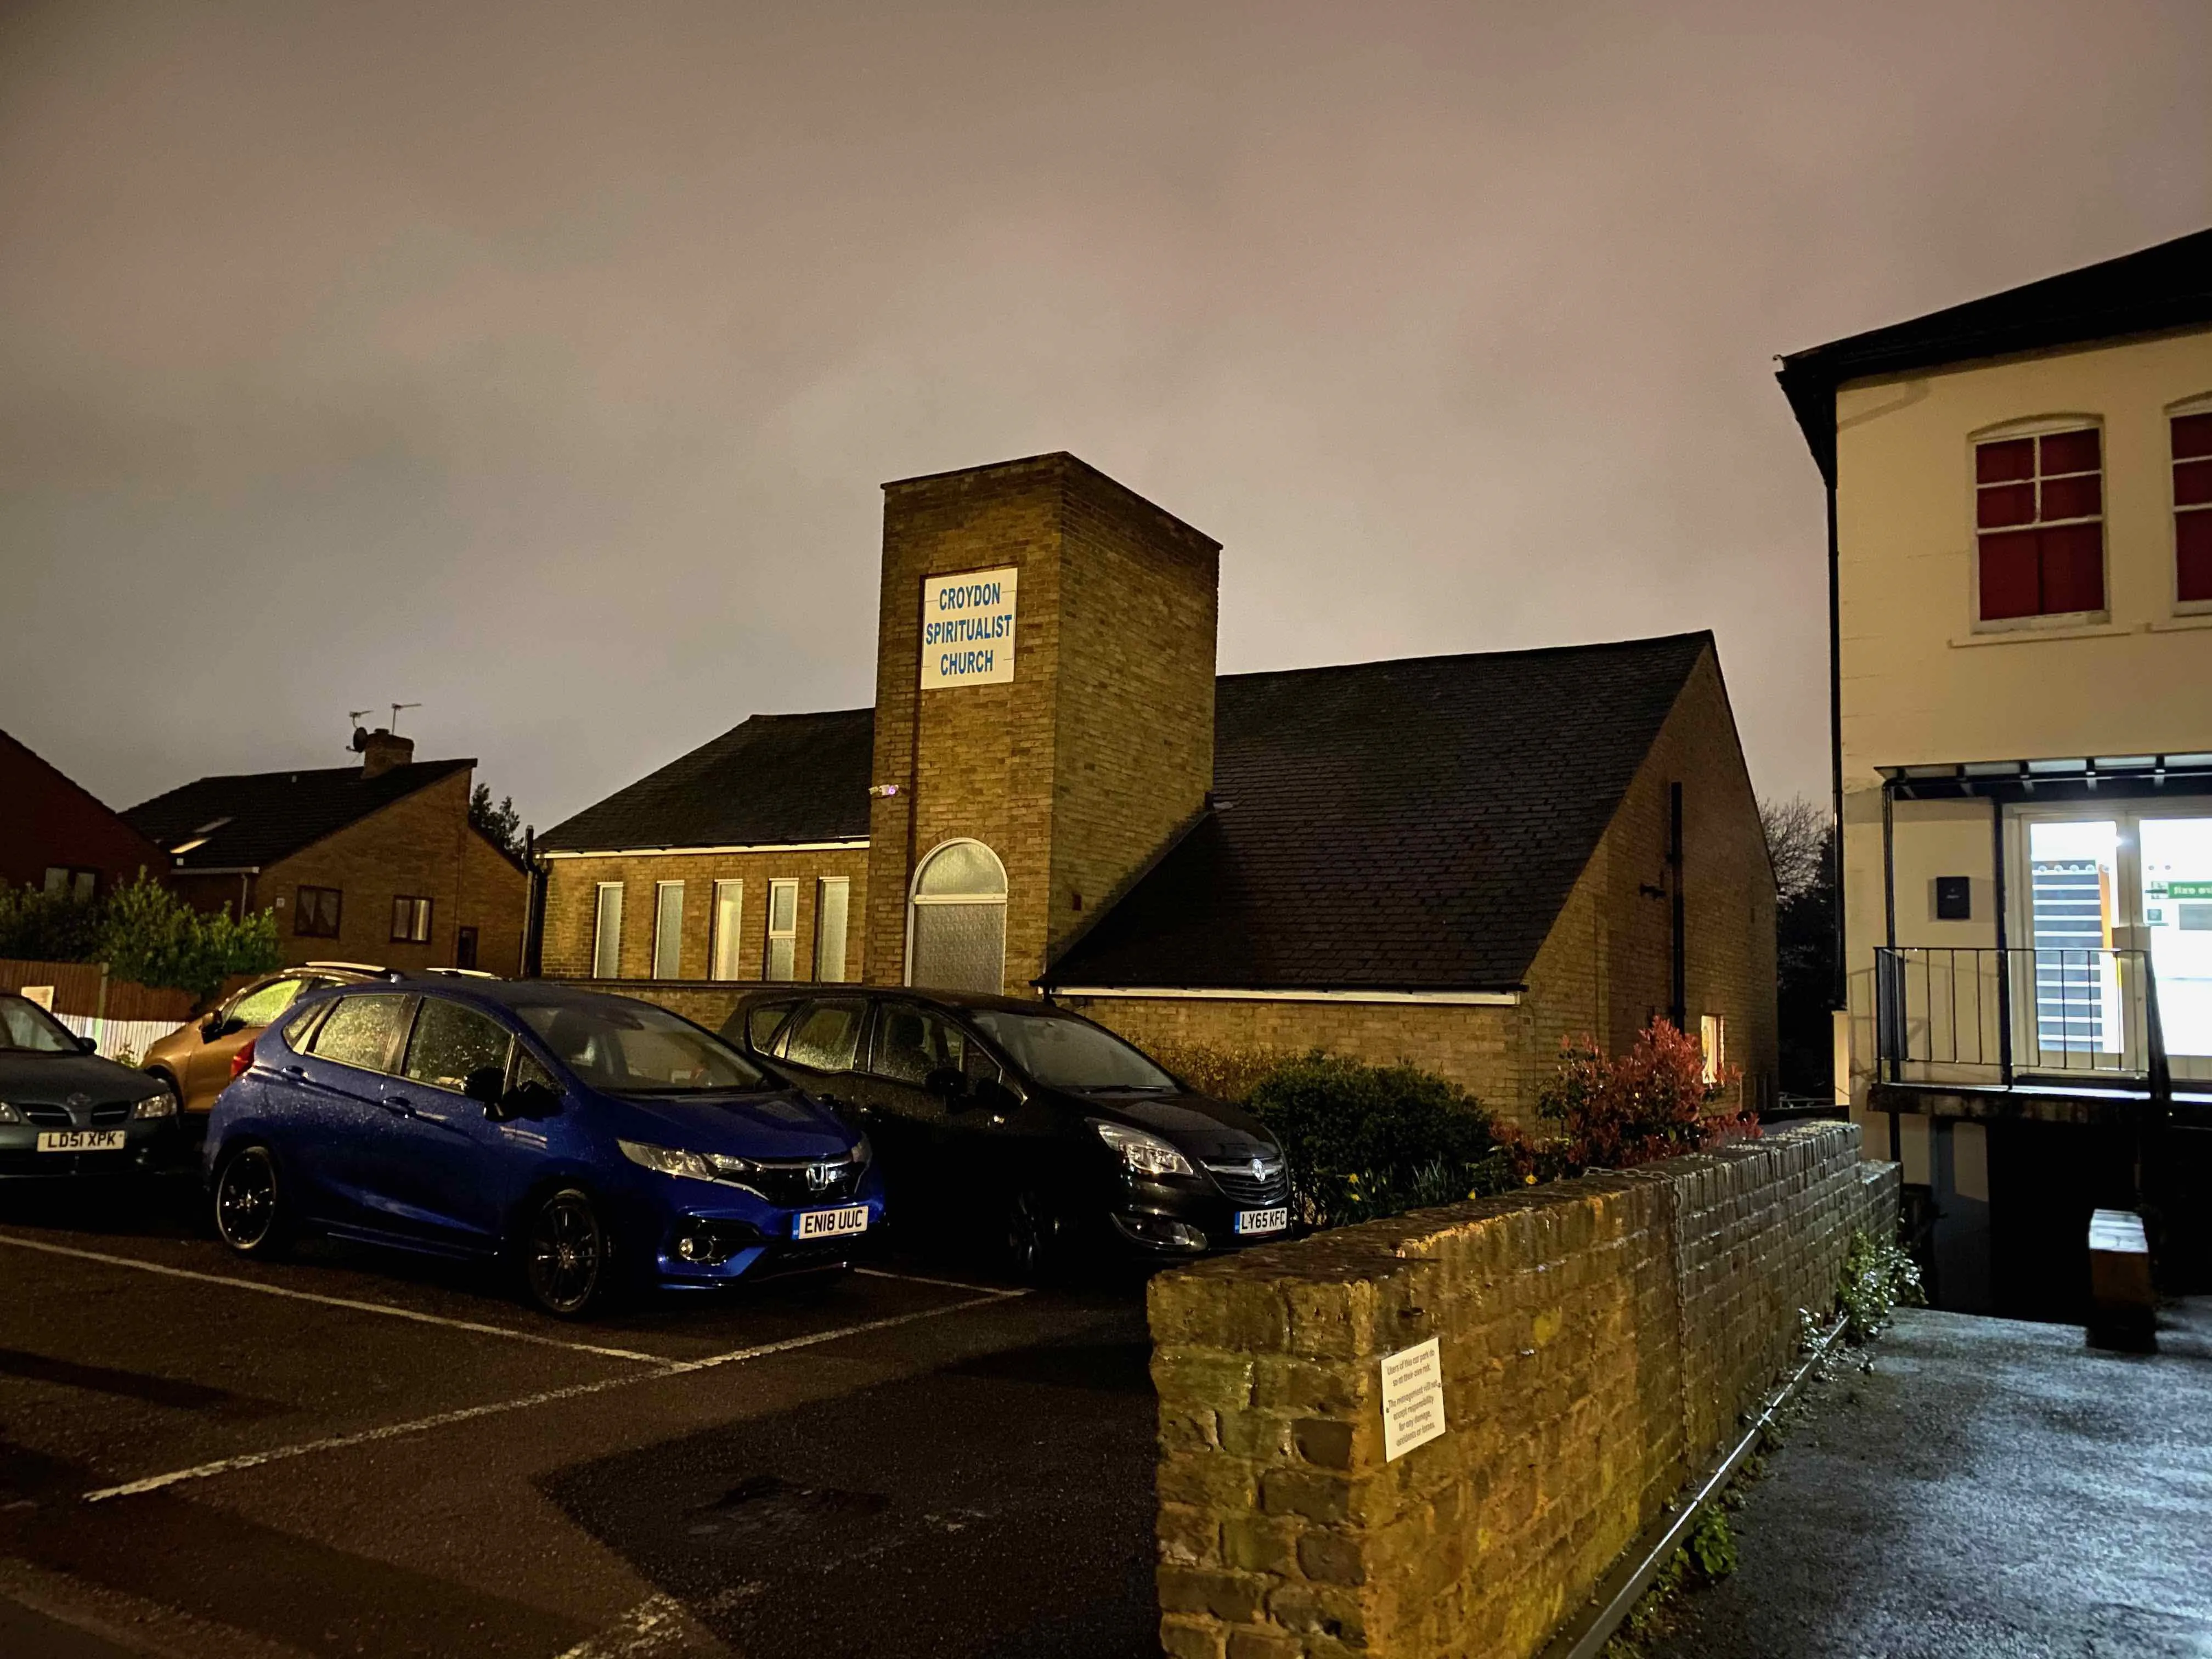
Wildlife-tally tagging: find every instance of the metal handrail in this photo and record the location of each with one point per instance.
(1988, 1013)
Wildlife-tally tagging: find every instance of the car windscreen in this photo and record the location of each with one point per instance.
(1069, 1054)
(27, 1028)
(635, 1049)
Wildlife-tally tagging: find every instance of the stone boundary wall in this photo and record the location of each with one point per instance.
(1600, 1340)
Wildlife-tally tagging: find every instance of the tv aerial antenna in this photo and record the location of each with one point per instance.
(396, 707)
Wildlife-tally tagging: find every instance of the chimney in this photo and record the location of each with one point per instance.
(381, 751)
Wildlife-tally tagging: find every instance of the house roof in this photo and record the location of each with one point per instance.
(1409, 825)
(251, 820)
(775, 779)
(2147, 292)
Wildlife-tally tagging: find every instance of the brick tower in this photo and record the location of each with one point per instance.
(1044, 687)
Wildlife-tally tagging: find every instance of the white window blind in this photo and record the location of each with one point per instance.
(606, 932)
(830, 907)
(668, 930)
(729, 928)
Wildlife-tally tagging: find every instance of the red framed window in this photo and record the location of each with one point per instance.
(2040, 521)
(2192, 507)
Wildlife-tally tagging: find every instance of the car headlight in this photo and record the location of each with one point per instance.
(668, 1160)
(1145, 1154)
(8, 1114)
(160, 1104)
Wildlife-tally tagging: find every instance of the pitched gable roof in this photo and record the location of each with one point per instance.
(2155, 288)
(1403, 825)
(774, 780)
(251, 820)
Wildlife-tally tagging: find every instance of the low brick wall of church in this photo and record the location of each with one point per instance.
(1599, 1341)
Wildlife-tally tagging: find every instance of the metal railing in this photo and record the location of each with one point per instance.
(1959, 1014)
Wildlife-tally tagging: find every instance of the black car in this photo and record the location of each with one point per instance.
(1026, 1120)
(65, 1111)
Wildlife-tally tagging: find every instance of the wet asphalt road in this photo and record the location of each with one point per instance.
(1993, 1490)
(360, 1454)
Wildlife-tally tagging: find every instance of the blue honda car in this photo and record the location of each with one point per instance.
(595, 1142)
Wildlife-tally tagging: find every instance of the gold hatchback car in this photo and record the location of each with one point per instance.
(195, 1059)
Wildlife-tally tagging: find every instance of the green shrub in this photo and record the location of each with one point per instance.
(41, 926)
(1365, 1141)
(1878, 1277)
(143, 932)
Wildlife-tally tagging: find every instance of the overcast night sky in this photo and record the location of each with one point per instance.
(540, 363)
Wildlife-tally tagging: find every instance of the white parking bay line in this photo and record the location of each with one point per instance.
(546, 1397)
(942, 1284)
(346, 1302)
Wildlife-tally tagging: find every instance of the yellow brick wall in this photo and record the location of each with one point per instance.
(1598, 1341)
(572, 901)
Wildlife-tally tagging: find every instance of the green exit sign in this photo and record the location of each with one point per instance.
(2194, 890)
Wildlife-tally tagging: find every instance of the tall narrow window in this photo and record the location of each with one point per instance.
(606, 932)
(2039, 520)
(668, 930)
(781, 961)
(829, 904)
(1712, 1041)
(729, 928)
(2192, 507)
(956, 921)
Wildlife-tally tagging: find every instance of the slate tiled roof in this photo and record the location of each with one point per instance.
(2168, 286)
(1394, 825)
(252, 820)
(775, 779)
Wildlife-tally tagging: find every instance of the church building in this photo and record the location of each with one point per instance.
(1454, 861)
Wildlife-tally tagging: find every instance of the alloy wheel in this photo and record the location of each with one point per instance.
(246, 1201)
(566, 1252)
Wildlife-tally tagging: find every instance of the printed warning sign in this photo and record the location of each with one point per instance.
(1412, 1398)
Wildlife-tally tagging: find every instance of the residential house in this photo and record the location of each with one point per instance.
(56, 836)
(2021, 552)
(376, 863)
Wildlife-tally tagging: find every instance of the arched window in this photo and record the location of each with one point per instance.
(957, 919)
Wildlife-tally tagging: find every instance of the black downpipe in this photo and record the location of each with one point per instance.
(534, 912)
(1842, 991)
(1678, 985)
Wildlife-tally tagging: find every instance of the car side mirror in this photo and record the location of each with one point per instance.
(210, 1028)
(88, 1045)
(485, 1084)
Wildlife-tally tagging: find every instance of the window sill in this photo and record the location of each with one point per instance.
(2024, 636)
(2177, 624)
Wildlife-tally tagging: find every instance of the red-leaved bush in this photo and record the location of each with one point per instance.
(1651, 1103)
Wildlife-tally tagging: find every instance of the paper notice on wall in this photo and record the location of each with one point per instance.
(967, 629)
(41, 994)
(1412, 1398)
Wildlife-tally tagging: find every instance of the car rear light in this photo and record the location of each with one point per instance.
(243, 1059)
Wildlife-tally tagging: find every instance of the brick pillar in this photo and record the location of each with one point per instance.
(1077, 770)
